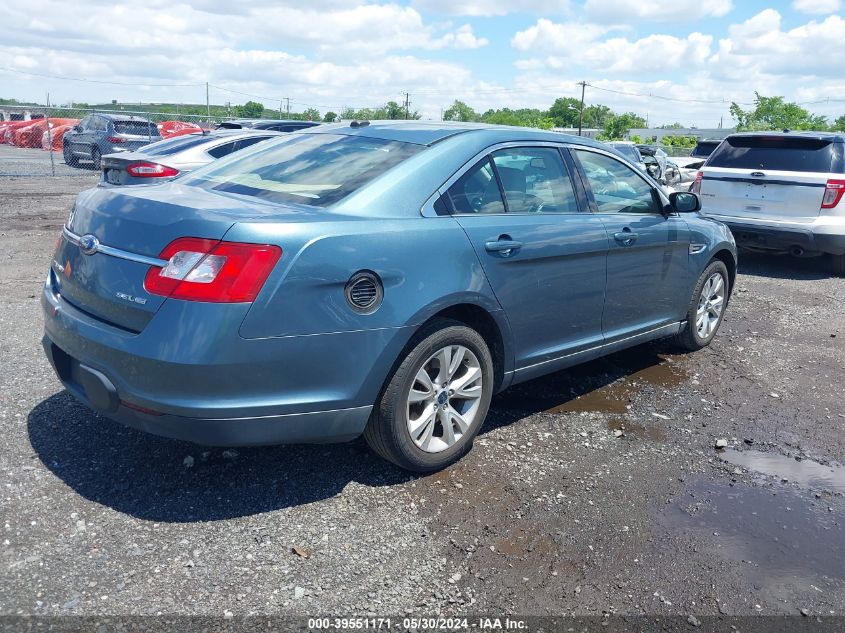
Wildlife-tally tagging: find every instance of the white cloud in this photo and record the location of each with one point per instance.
(760, 46)
(487, 8)
(464, 38)
(817, 7)
(656, 10)
(573, 43)
(568, 38)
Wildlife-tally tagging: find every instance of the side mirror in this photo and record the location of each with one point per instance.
(684, 201)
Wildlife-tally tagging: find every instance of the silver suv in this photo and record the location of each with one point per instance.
(779, 192)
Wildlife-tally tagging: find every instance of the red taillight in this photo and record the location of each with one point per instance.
(151, 170)
(833, 191)
(115, 139)
(696, 184)
(208, 270)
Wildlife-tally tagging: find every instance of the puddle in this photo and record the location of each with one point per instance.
(781, 536)
(606, 385)
(653, 433)
(805, 472)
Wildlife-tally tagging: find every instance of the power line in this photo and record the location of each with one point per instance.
(97, 81)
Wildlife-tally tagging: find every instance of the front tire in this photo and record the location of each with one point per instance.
(436, 400)
(96, 158)
(67, 154)
(707, 307)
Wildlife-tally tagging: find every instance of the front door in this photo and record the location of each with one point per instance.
(648, 280)
(543, 253)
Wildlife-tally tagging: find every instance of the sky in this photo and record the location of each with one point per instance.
(676, 60)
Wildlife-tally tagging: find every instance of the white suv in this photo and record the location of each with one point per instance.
(779, 192)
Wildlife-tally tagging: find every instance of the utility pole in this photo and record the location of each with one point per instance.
(50, 138)
(407, 106)
(280, 108)
(207, 105)
(581, 111)
(287, 104)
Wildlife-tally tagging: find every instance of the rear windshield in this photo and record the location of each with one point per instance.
(314, 169)
(782, 153)
(176, 144)
(136, 127)
(704, 148)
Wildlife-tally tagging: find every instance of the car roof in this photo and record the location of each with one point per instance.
(431, 132)
(820, 135)
(235, 132)
(122, 117)
(270, 121)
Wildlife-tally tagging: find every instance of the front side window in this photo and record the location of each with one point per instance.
(616, 187)
(313, 169)
(477, 191)
(535, 180)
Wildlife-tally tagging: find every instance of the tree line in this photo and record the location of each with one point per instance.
(767, 113)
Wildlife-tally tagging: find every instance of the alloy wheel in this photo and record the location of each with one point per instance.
(443, 401)
(711, 302)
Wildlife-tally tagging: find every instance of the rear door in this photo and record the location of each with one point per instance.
(648, 277)
(543, 254)
(768, 177)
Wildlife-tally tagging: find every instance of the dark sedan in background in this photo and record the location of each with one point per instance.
(276, 125)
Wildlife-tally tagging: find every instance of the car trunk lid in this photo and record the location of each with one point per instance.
(131, 227)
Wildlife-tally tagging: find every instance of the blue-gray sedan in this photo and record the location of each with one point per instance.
(383, 278)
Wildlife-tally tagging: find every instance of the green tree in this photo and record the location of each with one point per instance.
(564, 112)
(596, 116)
(311, 114)
(329, 117)
(839, 124)
(459, 111)
(250, 110)
(774, 113)
(618, 126)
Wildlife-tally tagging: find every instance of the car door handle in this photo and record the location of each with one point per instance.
(505, 247)
(626, 238)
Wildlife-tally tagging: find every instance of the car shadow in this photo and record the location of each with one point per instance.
(759, 264)
(164, 480)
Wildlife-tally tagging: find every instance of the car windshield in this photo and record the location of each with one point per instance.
(783, 153)
(136, 127)
(176, 144)
(314, 169)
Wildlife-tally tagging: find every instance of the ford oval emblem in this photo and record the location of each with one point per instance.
(89, 244)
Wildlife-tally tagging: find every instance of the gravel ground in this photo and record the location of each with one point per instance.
(589, 492)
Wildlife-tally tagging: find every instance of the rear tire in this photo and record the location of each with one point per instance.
(70, 159)
(96, 158)
(837, 265)
(706, 309)
(458, 398)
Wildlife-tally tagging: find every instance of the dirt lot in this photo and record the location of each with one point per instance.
(553, 512)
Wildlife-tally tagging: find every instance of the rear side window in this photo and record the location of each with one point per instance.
(222, 150)
(141, 128)
(477, 191)
(704, 148)
(780, 153)
(176, 144)
(314, 169)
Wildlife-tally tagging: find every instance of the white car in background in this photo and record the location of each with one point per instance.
(779, 192)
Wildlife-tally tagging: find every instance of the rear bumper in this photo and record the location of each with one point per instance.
(98, 392)
(822, 236)
(216, 388)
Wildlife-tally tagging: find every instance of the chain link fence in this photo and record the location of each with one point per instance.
(32, 138)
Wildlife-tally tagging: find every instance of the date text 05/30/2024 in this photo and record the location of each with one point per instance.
(419, 624)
